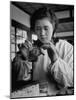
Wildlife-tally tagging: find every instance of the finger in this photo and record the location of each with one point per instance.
(28, 42)
(50, 45)
(46, 46)
(41, 51)
(25, 45)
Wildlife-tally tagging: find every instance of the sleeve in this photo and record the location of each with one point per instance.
(20, 69)
(62, 68)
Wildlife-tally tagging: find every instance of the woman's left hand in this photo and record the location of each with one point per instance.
(52, 52)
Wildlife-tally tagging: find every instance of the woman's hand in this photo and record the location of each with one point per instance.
(25, 48)
(52, 52)
(34, 53)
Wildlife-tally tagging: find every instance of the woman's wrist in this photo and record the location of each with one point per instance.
(54, 59)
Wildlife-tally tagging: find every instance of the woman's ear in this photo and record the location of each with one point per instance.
(55, 35)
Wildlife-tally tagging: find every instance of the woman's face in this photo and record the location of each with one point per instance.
(44, 30)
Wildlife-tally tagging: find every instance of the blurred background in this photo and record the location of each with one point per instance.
(20, 13)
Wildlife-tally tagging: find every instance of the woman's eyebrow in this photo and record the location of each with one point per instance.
(46, 26)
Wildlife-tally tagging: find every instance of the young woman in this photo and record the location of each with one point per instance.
(57, 62)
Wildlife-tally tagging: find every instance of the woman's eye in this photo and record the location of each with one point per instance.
(46, 28)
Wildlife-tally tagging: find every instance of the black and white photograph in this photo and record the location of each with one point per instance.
(41, 49)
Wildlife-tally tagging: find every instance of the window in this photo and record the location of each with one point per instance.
(17, 36)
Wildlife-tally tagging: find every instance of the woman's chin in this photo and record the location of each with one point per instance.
(45, 41)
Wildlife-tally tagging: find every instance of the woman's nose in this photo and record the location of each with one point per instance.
(42, 32)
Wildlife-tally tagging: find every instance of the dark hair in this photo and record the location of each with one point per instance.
(43, 13)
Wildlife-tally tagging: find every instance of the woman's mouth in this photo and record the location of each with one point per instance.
(43, 37)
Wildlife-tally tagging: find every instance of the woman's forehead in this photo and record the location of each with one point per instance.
(43, 22)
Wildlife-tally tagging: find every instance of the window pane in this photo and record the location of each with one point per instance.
(34, 37)
(12, 55)
(25, 35)
(12, 47)
(19, 32)
(21, 36)
(12, 38)
(12, 30)
(62, 14)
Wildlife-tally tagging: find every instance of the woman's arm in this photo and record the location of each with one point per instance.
(61, 67)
